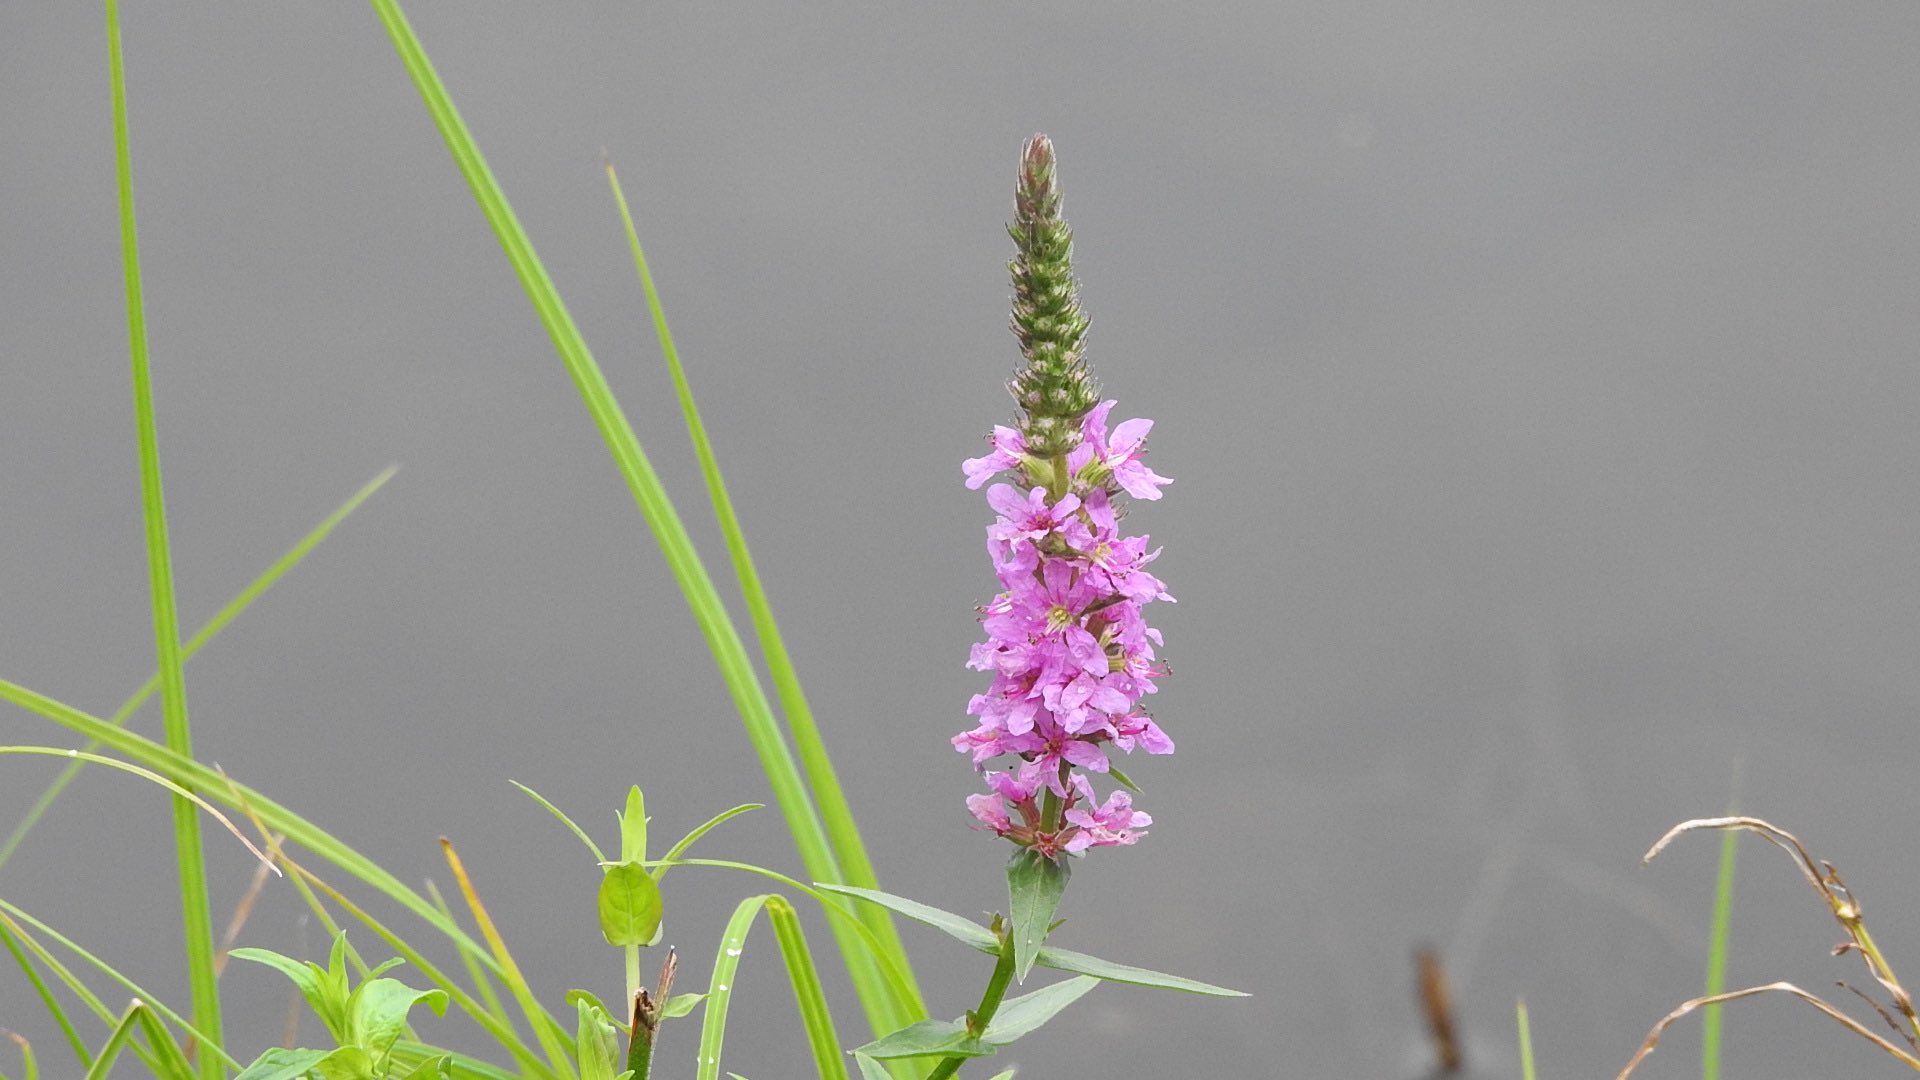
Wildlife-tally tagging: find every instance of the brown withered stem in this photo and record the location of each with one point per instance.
(1846, 909)
(1436, 1005)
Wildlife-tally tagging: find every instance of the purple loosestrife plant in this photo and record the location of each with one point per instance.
(1068, 647)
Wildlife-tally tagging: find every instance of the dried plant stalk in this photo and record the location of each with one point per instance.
(1846, 911)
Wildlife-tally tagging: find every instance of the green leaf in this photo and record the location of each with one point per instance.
(633, 828)
(928, 1038)
(283, 1064)
(1020, 1016)
(687, 841)
(576, 997)
(314, 984)
(440, 1068)
(346, 1063)
(1034, 885)
(564, 820)
(630, 904)
(869, 1068)
(953, 925)
(599, 1046)
(377, 1013)
(681, 1005)
(1124, 780)
(1008, 1075)
(1082, 964)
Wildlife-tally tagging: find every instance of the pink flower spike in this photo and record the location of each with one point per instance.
(1009, 448)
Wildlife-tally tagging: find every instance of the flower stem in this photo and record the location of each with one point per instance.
(978, 1019)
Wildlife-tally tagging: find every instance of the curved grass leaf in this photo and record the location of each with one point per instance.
(189, 854)
(842, 831)
(885, 1009)
(809, 996)
(1082, 964)
(221, 619)
(564, 820)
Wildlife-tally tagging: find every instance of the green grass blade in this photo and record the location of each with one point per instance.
(193, 645)
(189, 856)
(147, 774)
(481, 982)
(884, 1010)
(269, 816)
(735, 667)
(17, 920)
(551, 1042)
(490, 1014)
(1526, 1040)
(117, 1040)
(828, 1059)
(27, 1060)
(47, 1000)
(577, 831)
(1712, 1020)
(170, 1061)
(842, 832)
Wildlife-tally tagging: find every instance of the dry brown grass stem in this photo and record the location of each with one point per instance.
(1855, 1026)
(1845, 908)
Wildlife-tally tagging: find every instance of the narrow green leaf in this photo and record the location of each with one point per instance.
(283, 1064)
(674, 852)
(681, 1005)
(877, 994)
(1124, 780)
(564, 820)
(1713, 1018)
(189, 854)
(1082, 964)
(27, 1060)
(927, 1038)
(171, 1061)
(438, 1068)
(953, 925)
(869, 1068)
(254, 590)
(1008, 1075)
(16, 920)
(815, 1017)
(1020, 1016)
(630, 904)
(837, 814)
(109, 1051)
(1526, 1040)
(1034, 885)
(47, 1001)
(312, 983)
(633, 828)
(597, 1044)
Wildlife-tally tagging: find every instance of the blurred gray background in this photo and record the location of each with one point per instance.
(1538, 383)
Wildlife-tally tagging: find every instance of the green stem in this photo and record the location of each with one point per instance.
(1062, 479)
(978, 1020)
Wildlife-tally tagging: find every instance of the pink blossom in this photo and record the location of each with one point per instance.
(1009, 450)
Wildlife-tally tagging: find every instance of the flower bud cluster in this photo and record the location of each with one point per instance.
(1070, 653)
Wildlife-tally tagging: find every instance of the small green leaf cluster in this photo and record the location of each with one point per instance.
(365, 1021)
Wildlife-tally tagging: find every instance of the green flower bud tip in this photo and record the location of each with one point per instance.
(1055, 390)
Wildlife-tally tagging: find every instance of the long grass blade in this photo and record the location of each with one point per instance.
(842, 831)
(47, 1000)
(194, 644)
(510, 971)
(189, 856)
(117, 1040)
(17, 921)
(1526, 1040)
(1712, 1019)
(884, 1011)
(27, 1060)
(828, 1059)
(268, 816)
